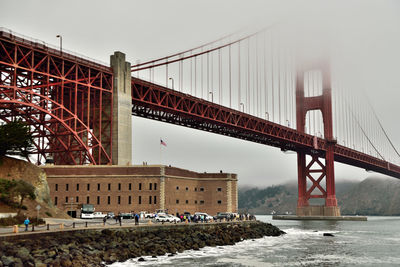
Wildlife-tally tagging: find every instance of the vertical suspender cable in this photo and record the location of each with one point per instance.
(201, 76)
(272, 79)
(166, 74)
(248, 76)
(265, 75)
(195, 76)
(239, 86)
(230, 78)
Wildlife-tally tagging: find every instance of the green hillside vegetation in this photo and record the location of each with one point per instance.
(373, 196)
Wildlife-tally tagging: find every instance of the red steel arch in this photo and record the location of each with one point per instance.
(66, 100)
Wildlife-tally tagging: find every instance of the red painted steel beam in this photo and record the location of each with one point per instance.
(66, 100)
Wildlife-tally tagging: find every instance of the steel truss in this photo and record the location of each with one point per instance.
(159, 103)
(66, 101)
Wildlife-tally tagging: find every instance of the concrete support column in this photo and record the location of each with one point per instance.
(162, 188)
(229, 196)
(122, 110)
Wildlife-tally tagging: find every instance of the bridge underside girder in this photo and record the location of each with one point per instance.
(159, 103)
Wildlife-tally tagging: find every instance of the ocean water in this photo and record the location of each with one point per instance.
(375, 242)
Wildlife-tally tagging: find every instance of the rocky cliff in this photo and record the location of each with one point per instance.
(16, 169)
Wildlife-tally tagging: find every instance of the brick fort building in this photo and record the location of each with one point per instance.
(141, 188)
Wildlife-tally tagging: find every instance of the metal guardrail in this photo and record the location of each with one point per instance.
(49, 47)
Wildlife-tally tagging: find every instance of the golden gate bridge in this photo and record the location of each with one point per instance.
(255, 87)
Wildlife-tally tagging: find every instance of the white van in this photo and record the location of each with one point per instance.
(87, 216)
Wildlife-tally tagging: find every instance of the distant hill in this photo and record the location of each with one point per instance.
(373, 196)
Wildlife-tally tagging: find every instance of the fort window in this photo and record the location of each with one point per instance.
(187, 201)
(66, 187)
(201, 202)
(88, 187)
(219, 201)
(130, 200)
(55, 201)
(77, 187)
(66, 199)
(98, 187)
(195, 202)
(195, 189)
(140, 186)
(177, 188)
(155, 187)
(150, 186)
(56, 187)
(202, 189)
(130, 186)
(155, 199)
(140, 199)
(177, 201)
(149, 199)
(219, 189)
(109, 187)
(77, 199)
(87, 200)
(119, 200)
(187, 188)
(108, 200)
(119, 186)
(98, 200)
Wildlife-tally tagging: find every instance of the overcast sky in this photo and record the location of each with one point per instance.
(369, 32)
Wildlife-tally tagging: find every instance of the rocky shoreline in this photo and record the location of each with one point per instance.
(100, 247)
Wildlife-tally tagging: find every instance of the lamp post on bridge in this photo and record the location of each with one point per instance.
(212, 96)
(288, 123)
(59, 36)
(241, 104)
(172, 82)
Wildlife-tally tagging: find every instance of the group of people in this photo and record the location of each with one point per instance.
(118, 219)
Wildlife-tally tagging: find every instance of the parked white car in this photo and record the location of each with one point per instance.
(205, 215)
(166, 218)
(98, 215)
(173, 218)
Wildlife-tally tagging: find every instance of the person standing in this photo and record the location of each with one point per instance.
(136, 219)
(26, 222)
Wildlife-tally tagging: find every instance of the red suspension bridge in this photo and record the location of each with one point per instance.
(248, 87)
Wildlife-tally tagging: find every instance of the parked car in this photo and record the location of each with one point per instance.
(99, 215)
(110, 215)
(223, 215)
(173, 218)
(166, 218)
(87, 216)
(205, 215)
(126, 215)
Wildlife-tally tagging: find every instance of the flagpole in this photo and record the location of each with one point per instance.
(160, 151)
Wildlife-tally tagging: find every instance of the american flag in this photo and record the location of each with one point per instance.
(162, 143)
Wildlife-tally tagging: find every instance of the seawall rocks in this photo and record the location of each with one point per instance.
(97, 247)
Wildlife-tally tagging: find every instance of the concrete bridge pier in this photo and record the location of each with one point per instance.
(122, 110)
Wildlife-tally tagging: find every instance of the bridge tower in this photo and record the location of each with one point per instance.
(122, 110)
(315, 166)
